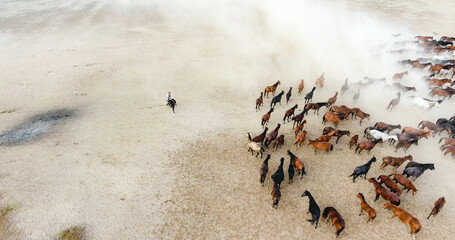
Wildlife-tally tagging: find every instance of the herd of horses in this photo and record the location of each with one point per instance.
(386, 186)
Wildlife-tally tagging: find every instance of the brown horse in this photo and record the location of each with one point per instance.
(328, 130)
(315, 107)
(399, 76)
(418, 65)
(300, 138)
(449, 149)
(298, 164)
(424, 38)
(276, 195)
(411, 130)
(266, 118)
(259, 102)
(298, 118)
(390, 184)
(361, 114)
(405, 182)
(320, 145)
(339, 134)
(330, 213)
(299, 127)
(429, 125)
(382, 126)
(260, 138)
(441, 92)
(353, 141)
(340, 109)
(289, 113)
(300, 87)
(436, 68)
(279, 141)
(439, 82)
(323, 138)
(438, 205)
(320, 81)
(272, 136)
(271, 89)
(333, 117)
(364, 206)
(394, 102)
(384, 193)
(405, 144)
(367, 145)
(447, 142)
(333, 99)
(405, 217)
(395, 161)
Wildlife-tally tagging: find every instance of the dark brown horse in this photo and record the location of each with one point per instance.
(289, 113)
(330, 213)
(438, 205)
(353, 141)
(384, 193)
(259, 102)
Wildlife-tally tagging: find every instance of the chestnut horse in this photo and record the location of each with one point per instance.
(399, 76)
(364, 206)
(390, 184)
(298, 164)
(449, 149)
(384, 193)
(382, 126)
(330, 213)
(266, 118)
(438, 205)
(395, 161)
(271, 89)
(353, 141)
(439, 82)
(368, 145)
(300, 87)
(299, 127)
(300, 138)
(405, 217)
(333, 99)
(359, 113)
(320, 145)
(427, 124)
(333, 117)
(320, 81)
(405, 182)
(447, 142)
(340, 109)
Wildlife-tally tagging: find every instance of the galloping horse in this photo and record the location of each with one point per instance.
(271, 89)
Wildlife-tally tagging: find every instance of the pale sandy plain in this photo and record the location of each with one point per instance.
(119, 163)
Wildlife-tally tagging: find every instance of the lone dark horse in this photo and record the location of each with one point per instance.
(172, 103)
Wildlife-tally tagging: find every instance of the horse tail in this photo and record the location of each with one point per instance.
(420, 123)
(265, 91)
(375, 125)
(284, 117)
(418, 230)
(430, 214)
(357, 148)
(443, 148)
(323, 118)
(339, 231)
(331, 147)
(441, 139)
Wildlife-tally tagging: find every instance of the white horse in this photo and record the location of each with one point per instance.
(384, 136)
(424, 103)
(254, 146)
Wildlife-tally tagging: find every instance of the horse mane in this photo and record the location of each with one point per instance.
(363, 198)
(326, 211)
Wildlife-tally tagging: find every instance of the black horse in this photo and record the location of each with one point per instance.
(172, 103)
(313, 209)
(362, 170)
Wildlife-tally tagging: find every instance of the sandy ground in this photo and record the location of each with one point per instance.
(125, 167)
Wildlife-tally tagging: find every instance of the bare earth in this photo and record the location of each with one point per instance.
(123, 166)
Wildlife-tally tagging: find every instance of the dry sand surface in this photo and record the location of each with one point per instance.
(88, 141)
